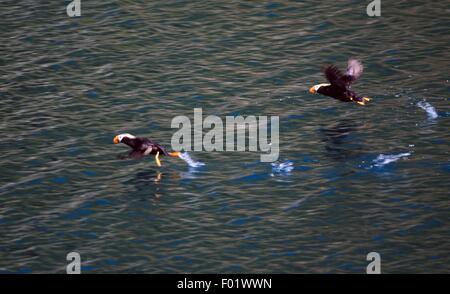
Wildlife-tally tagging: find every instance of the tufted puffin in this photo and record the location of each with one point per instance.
(339, 86)
(143, 146)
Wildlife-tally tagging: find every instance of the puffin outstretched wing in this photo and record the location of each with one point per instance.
(343, 81)
(334, 76)
(135, 154)
(354, 71)
(162, 149)
(150, 144)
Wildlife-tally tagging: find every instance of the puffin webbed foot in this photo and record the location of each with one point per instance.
(158, 162)
(363, 101)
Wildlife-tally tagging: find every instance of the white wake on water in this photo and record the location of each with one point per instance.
(383, 159)
(430, 110)
(192, 163)
(283, 167)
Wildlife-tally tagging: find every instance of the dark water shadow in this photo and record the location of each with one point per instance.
(148, 181)
(341, 140)
(152, 181)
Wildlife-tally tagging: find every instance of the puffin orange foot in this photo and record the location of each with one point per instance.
(174, 154)
(158, 162)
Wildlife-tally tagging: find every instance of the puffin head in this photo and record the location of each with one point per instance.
(118, 139)
(315, 88)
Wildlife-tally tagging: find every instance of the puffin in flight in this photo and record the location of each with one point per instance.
(339, 84)
(143, 146)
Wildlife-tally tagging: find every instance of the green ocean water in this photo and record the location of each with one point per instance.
(350, 180)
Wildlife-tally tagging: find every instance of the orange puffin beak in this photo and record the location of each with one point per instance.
(116, 140)
(312, 90)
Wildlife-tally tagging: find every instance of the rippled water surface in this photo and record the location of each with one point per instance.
(349, 180)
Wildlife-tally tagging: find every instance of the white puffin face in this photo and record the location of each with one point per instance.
(314, 89)
(118, 139)
(121, 136)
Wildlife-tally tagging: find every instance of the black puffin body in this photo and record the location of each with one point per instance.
(339, 86)
(143, 146)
